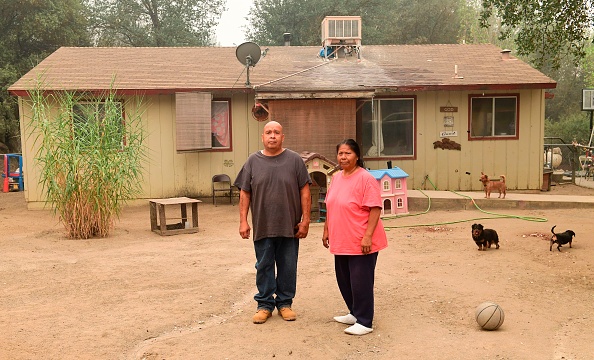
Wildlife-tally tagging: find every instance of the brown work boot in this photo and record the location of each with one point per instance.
(287, 314)
(261, 316)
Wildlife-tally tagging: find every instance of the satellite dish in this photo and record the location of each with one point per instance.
(248, 54)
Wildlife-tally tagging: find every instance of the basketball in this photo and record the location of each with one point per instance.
(489, 315)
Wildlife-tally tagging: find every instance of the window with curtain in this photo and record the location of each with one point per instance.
(201, 123)
(388, 127)
(493, 116)
(220, 115)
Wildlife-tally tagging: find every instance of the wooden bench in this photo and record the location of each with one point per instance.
(158, 207)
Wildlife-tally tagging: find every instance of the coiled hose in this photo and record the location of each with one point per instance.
(494, 215)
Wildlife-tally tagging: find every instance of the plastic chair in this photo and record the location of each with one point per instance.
(222, 183)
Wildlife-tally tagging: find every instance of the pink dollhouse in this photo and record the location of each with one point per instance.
(393, 189)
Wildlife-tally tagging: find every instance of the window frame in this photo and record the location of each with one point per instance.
(194, 121)
(96, 104)
(360, 123)
(494, 136)
(229, 125)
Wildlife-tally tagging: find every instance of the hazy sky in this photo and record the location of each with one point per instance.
(229, 32)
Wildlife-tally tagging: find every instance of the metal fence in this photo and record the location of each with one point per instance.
(569, 163)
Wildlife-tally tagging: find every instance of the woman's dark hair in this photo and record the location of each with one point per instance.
(355, 147)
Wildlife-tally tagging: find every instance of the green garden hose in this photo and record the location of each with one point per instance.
(494, 215)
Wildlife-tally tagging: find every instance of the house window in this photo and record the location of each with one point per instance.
(202, 123)
(399, 203)
(386, 185)
(388, 127)
(219, 120)
(398, 184)
(87, 115)
(493, 116)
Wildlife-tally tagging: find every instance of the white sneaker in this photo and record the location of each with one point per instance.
(358, 329)
(348, 319)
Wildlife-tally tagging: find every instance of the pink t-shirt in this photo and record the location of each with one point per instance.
(348, 201)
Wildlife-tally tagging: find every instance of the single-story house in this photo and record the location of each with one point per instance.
(402, 103)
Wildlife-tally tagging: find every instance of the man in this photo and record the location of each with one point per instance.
(274, 185)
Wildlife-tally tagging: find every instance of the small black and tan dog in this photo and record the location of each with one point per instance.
(484, 238)
(563, 238)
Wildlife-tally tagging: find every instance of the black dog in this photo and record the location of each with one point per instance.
(484, 237)
(561, 238)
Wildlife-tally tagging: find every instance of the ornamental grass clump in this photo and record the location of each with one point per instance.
(90, 152)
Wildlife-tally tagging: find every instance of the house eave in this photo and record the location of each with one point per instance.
(384, 91)
(305, 94)
(131, 92)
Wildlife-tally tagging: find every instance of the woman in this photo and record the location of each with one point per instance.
(354, 234)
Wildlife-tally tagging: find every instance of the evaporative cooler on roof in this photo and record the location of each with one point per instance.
(341, 32)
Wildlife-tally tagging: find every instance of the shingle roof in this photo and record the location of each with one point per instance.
(283, 69)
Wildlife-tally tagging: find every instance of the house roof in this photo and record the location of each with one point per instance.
(393, 173)
(381, 68)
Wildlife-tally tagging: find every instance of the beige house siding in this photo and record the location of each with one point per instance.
(169, 173)
(172, 173)
(519, 160)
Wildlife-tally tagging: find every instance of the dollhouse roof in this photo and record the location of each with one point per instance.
(393, 173)
(308, 156)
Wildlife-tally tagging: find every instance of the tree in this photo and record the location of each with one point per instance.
(547, 31)
(425, 22)
(588, 67)
(154, 22)
(573, 128)
(270, 19)
(473, 33)
(31, 30)
(383, 21)
(568, 92)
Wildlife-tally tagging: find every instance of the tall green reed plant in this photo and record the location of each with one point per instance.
(90, 151)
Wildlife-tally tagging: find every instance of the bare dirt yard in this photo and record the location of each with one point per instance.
(139, 295)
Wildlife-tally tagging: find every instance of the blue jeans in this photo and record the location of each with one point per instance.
(280, 253)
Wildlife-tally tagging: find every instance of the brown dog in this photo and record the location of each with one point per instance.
(493, 184)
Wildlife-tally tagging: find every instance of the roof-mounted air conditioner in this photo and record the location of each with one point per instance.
(341, 30)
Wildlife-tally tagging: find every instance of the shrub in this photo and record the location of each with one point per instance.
(90, 151)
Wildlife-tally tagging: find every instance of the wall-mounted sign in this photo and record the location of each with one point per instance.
(448, 109)
(448, 121)
(448, 133)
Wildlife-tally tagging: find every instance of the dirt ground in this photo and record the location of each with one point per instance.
(139, 295)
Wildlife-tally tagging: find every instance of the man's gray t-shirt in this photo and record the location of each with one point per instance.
(274, 183)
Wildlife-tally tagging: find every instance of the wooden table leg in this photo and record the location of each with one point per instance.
(153, 216)
(195, 215)
(184, 215)
(162, 221)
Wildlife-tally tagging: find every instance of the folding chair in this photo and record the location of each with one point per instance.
(221, 183)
